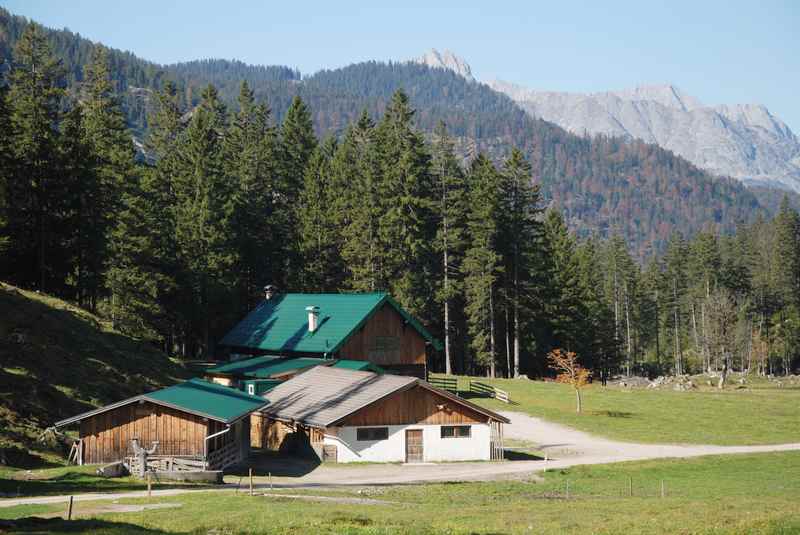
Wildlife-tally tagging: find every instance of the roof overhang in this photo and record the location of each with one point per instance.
(145, 397)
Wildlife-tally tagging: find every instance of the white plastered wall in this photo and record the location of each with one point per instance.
(393, 449)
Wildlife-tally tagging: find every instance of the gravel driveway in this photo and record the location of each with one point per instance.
(564, 447)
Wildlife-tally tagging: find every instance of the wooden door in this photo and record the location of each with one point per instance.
(414, 450)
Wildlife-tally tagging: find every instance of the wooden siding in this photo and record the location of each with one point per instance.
(416, 405)
(385, 339)
(107, 436)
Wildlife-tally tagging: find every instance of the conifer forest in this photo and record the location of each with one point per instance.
(176, 246)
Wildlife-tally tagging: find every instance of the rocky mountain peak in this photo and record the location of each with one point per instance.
(446, 60)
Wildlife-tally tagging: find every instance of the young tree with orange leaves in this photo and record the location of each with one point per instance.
(570, 371)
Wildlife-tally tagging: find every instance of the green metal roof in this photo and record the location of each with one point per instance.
(264, 367)
(194, 396)
(280, 324)
(358, 365)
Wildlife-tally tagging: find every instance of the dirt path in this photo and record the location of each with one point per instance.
(564, 447)
(568, 447)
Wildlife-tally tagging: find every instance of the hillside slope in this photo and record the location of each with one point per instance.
(604, 185)
(57, 360)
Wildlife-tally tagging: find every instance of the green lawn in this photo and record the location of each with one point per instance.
(722, 494)
(733, 416)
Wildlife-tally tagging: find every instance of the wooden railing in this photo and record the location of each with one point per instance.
(226, 456)
(167, 463)
(445, 383)
(486, 390)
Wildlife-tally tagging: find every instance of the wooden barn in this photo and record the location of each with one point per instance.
(354, 416)
(204, 424)
(369, 327)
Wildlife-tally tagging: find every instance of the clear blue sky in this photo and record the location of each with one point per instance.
(720, 51)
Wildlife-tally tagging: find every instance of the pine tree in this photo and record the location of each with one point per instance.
(112, 158)
(251, 164)
(450, 238)
(204, 202)
(675, 284)
(34, 216)
(5, 171)
(320, 242)
(482, 262)
(356, 172)
(519, 244)
(297, 143)
(407, 227)
(144, 273)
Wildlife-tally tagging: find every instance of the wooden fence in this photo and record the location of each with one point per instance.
(489, 391)
(445, 383)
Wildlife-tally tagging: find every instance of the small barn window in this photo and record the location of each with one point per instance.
(455, 431)
(366, 434)
(251, 389)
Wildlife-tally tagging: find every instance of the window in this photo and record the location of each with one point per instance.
(251, 389)
(455, 431)
(365, 434)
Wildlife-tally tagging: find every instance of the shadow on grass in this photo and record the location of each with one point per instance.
(59, 525)
(279, 465)
(77, 483)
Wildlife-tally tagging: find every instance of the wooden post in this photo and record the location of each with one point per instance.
(630, 486)
(69, 508)
(545, 462)
(149, 485)
(251, 481)
(270, 480)
(663, 490)
(568, 489)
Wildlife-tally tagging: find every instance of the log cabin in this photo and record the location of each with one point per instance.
(354, 416)
(196, 422)
(370, 327)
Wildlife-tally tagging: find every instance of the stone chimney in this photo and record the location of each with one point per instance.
(270, 291)
(313, 318)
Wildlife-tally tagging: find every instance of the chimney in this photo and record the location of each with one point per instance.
(270, 291)
(313, 318)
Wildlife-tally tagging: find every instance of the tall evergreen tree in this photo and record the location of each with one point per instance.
(482, 262)
(251, 164)
(407, 227)
(450, 186)
(112, 158)
(520, 244)
(34, 217)
(204, 203)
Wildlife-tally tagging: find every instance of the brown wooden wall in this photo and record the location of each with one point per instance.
(107, 436)
(385, 339)
(416, 405)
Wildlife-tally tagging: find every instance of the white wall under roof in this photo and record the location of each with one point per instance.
(393, 449)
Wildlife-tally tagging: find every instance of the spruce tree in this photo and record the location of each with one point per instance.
(251, 165)
(320, 236)
(112, 159)
(407, 226)
(5, 170)
(451, 208)
(34, 217)
(520, 245)
(297, 143)
(482, 262)
(205, 241)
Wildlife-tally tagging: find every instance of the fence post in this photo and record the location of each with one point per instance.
(663, 490)
(69, 508)
(270, 481)
(149, 485)
(630, 486)
(251, 481)
(567, 489)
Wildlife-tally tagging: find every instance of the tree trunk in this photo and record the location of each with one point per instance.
(492, 351)
(578, 399)
(629, 342)
(724, 374)
(508, 345)
(448, 363)
(516, 339)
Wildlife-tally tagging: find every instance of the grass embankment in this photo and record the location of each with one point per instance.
(723, 494)
(760, 414)
(57, 360)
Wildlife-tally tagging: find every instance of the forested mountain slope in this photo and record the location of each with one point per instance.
(57, 360)
(604, 185)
